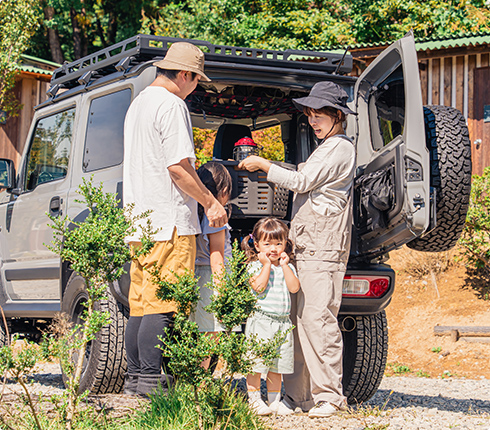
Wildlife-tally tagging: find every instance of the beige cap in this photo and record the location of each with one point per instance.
(184, 56)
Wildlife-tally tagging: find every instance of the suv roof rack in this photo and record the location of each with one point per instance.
(142, 48)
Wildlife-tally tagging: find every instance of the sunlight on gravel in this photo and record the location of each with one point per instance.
(401, 403)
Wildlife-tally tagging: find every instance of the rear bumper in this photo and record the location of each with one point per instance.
(368, 305)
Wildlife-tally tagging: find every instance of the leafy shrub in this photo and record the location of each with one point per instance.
(187, 348)
(476, 233)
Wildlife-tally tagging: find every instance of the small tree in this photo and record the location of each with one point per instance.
(19, 19)
(187, 348)
(96, 250)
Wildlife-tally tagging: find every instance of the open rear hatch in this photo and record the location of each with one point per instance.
(392, 191)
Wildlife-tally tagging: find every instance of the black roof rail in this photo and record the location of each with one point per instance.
(143, 47)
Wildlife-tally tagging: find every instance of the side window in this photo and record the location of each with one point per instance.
(105, 129)
(387, 109)
(50, 149)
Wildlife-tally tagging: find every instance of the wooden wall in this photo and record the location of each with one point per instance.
(447, 77)
(30, 89)
(449, 80)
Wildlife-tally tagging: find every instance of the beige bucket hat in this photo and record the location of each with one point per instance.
(184, 56)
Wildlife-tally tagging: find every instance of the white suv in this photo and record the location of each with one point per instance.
(412, 184)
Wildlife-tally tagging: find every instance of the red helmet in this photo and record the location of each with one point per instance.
(245, 141)
(245, 147)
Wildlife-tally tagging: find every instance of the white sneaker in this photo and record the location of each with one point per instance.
(324, 410)
(260, 407)
(281, 408)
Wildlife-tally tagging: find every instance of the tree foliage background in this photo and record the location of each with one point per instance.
(18, 21)
(71, 29)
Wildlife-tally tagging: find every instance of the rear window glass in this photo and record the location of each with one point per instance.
(105, 130)
(387, 109)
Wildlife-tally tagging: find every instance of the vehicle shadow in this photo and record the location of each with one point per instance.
(48, 380)
(387, 399)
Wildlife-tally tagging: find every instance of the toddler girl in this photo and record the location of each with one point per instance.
(273, 279)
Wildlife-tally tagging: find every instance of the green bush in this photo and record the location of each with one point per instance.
(475, 238)
(187, 348)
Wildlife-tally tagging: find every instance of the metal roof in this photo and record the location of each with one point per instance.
(37, 65)
(455, 41)
(432, 43)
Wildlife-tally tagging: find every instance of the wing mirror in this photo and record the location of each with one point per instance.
(7, 174)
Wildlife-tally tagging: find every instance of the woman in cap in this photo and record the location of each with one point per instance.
(320, 229)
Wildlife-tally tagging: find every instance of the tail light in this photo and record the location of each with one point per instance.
(365, 286)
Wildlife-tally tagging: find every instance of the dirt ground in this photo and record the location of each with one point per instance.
(420, 303)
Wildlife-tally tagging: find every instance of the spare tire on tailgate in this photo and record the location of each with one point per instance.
(449, 145)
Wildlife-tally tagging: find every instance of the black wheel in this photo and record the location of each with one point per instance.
(450, 158)
(105, 359)
(3, 332)
(365, 351)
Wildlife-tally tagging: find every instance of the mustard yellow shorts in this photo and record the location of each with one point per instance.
(174, 256)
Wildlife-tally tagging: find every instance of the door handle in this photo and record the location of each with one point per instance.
(55, 206)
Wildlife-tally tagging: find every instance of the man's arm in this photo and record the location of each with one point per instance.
(185, 177)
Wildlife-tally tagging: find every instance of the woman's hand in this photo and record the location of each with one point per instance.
(284, 259)
(254, 163)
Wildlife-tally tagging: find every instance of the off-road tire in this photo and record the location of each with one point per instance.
(364, 359)
(449, 145)
(3, 332)
(105, 359)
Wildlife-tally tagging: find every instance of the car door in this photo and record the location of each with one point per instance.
(392, 197)
(30, 271)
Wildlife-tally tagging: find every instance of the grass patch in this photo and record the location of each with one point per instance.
(396, 369)
(448, 374)
(363, 412)
(221, 408)
(17, 416)
(436, 349)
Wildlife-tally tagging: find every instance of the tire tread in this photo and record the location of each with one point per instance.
(449, 146)
(369, 362)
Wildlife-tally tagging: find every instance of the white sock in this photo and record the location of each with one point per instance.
(253, 395)
(273, 396)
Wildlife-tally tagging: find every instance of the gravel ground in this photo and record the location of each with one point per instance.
(400, 403)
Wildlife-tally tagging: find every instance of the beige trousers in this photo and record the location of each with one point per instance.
(322, 249)
(317, 339)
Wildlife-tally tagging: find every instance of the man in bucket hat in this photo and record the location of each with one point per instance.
(159, 175)
(320, 229)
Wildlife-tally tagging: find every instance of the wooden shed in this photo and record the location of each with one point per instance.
(30, 90)
(454, 71)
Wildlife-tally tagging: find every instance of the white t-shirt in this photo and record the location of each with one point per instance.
(158, 134)
(202, 242)
(327, 176)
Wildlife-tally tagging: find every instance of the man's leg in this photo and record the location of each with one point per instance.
(132, 327)
(173, 257)
(131, 343)
(152, 327)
